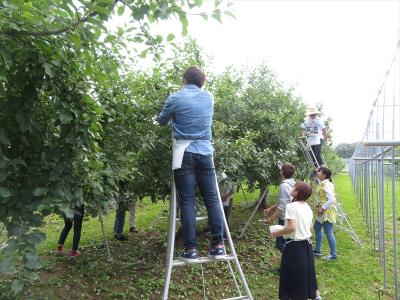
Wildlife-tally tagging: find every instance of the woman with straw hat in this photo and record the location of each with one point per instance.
(314, 128)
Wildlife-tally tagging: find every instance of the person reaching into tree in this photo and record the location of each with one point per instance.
(285, 188)
(191, 112)
(326, 213)
(297, 272)
(314, 128)
(77, 222)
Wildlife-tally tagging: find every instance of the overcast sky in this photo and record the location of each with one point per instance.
(333, 52)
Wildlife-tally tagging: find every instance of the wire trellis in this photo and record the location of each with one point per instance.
(374, 169)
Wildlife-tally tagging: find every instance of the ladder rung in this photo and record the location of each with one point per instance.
(237, 298)
(201, 260)
(179, 219)
(197, 219)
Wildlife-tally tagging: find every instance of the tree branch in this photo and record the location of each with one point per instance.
(75, 24)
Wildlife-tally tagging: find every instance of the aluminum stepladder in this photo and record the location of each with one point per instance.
(344, 223)
(171, 262)
(264, 194)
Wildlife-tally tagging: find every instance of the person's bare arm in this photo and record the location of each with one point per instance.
(289, 228)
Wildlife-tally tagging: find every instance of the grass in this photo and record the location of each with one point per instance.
(137, 271)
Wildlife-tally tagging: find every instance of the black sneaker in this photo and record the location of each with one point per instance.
(189, 255)
(133, 230)
(217, 253)
(317, 253)
(121, 237)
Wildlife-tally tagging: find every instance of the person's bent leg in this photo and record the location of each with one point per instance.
(328, 229)
(65, 231)
(318, 237)
(132, 216)
(206, 180)
(185, 182)
(78, 220)
(120, 219)
(317, 152)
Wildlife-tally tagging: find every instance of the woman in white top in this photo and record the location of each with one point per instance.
(297, 272)
(314, 128)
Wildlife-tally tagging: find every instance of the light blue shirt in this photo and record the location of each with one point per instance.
(191, 111)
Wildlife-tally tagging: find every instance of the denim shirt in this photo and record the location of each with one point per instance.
(191, 111)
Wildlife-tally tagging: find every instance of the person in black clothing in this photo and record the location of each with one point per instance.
(77, 222)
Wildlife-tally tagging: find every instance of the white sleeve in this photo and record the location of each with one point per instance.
(290, 214)
(330, 194)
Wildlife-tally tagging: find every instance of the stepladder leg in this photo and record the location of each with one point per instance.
(171, 241)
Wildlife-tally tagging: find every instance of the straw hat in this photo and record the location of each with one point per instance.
(313, 110)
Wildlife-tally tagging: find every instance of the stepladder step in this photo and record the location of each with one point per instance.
(198, 219)
(238, 298)
(201, 260)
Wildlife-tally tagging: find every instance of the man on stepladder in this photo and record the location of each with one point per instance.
(314, 128)
(191, 112)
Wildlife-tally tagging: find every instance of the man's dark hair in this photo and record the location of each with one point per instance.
(304, 191)
(287, 170)
(193, 75)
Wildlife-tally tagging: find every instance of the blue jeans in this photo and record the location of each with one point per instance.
(120, 218)
(280, 241)
(328, 229)
(198, 169)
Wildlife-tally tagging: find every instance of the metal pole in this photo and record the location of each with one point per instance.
(104, 235)
(382, 196)
(171, 240)
(396, 281)
(232, 248)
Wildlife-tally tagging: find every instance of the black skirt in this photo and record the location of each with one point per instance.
(297, 275)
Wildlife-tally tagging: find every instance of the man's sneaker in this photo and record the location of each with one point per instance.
(133, 230)
(120, 237)
(217, 252)
(60, 250)
(189, 255)
(74, 253)
(329, 257)
(317, 253)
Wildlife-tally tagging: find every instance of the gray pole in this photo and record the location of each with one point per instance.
(396, 280)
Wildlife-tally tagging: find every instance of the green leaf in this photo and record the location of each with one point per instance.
(185, 24)
(14, 26)
(65, 118)
(7, 265)
(33, 263)
(217, 16)
(48, 68)
(101, 10)
(69, 213)
(39, 191)
(3, 139)
(170, 37)
(198, 2)
(144, 53)
(4, 192)
(120, 10)
(6, 57)
(17, 286)
(229, 13)
(204, 16)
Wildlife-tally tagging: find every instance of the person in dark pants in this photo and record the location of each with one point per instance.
(191, 112)
(314, 129)
(77, 222)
